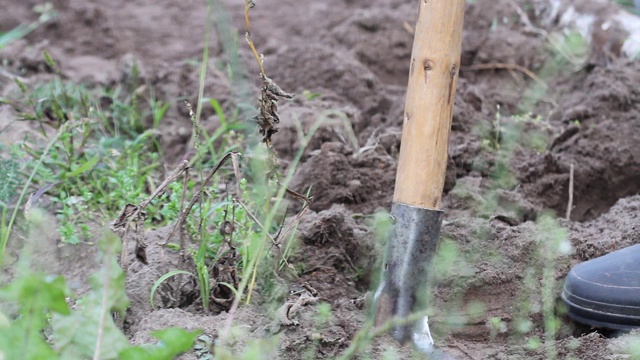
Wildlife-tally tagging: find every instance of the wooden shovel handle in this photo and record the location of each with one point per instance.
(435, 62)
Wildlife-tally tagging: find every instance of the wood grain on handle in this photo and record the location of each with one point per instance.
(435, 62)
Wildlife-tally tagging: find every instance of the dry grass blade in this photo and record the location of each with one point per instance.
(297, 195)
(570, 202)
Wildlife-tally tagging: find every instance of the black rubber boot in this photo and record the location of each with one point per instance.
(605, 292)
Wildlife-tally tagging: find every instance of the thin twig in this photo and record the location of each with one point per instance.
(515, 77)
(295, 221)
(183, 197)
(516, 67)
(408, 27)
(174, 175)
(570, 204)
(297, 195)
(526, 21)
(197, 196)
(255, 219)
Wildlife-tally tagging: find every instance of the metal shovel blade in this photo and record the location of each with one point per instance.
(412, 243)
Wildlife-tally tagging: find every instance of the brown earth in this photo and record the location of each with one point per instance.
(355, 54)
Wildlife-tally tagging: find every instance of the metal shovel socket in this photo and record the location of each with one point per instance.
(412, 243)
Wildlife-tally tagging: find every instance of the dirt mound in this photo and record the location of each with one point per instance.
(176, 292)
(298, 118)
(616, 229)
(337, 176)
(607, 92)
(340, 247)
(322, 69)
(393, 42)
(607, 168)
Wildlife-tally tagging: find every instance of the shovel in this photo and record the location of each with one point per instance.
(413, 240)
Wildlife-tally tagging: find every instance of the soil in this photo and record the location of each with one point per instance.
(354, 55)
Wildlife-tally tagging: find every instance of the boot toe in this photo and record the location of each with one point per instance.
(605, 292)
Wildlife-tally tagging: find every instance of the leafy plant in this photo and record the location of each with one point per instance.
(173, 342)
(90, 331)
(45, 327)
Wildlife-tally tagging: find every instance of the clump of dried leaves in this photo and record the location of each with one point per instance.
(267, 117)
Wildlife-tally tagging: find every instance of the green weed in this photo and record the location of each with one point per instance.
(103, 158)
(46, 327)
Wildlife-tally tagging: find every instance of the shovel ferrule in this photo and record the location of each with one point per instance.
(403, 289)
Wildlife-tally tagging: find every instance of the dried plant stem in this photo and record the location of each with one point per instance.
(134, 212)
(570, 203)
(279, 196)
(172, 177)
(236, 172)
(248, 5)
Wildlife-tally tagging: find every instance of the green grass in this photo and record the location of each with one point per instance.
(47, 13)
(101, 159)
